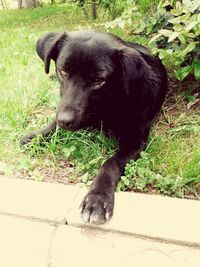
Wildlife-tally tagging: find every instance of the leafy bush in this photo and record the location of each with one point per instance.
(130, 19)
(182, 49)
(173, 31)
(114, 8)
(105, 8)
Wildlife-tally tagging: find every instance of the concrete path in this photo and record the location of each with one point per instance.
(40, 226)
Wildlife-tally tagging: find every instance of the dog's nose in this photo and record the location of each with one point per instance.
(65, 120)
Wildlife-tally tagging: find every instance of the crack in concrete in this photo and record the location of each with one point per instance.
(36, 219)
(49, 253)
(57, 223)
(137, 235)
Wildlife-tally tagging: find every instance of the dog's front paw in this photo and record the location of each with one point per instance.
(97, 208)
(26, 139)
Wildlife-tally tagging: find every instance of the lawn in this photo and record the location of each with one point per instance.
(171, 163)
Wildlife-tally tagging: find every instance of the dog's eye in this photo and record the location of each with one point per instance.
(64, 73)
(98, 84)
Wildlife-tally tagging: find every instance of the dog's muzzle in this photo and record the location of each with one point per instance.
(66, 120)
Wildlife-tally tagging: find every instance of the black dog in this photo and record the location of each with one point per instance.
(105, 82)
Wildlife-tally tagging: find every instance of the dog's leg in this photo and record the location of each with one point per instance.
(97, 206)
(45, 132)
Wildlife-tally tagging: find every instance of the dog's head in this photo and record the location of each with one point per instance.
(88, 65)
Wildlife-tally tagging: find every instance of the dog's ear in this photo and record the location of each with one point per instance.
(134, 68)
(47, 47)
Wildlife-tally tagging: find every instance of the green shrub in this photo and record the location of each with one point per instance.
(181, 51)
(105, 8)
(114, 8)
(173, 31)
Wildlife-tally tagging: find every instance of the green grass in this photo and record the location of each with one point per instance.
(171, 162)
(27, 16)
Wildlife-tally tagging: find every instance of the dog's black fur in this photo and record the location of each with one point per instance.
(105, 82)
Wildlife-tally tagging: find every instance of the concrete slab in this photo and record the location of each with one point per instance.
(39, 200)
(89, 247)
(157, 217)
(24, 243)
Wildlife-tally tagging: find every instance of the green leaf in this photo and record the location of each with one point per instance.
(197, 70)
(194, 6)
(166, 33)
(129, 2)
(68, 151)
(178, 27)
(180, 19)
(85, 177)
(191, 25)
(119, 187)
(121, 23)
(173, 36)
(140, 28)
(155, 37)
(182, 38)
(189, 48)
(163, 53)
(24, 164)
(125, 180)
(183, 72)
